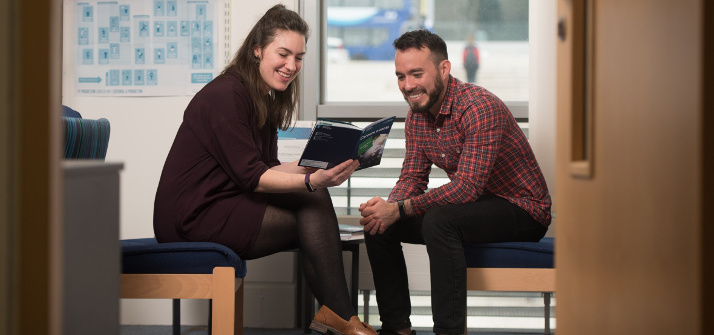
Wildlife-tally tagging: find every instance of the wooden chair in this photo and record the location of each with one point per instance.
(512, 267)
(186, 270)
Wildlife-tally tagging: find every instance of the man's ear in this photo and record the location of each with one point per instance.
(445, 68)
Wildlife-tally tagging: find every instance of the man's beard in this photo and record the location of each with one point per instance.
(433, 97)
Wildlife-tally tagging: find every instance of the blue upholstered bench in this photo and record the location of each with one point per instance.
(186, 270)
(513, 267)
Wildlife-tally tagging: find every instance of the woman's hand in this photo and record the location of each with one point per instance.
(334, 176)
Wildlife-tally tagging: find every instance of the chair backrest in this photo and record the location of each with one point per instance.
(85, 138)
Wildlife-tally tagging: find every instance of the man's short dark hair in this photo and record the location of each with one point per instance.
(419, 39)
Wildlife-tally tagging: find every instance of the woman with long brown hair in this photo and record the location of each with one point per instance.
(222, 181)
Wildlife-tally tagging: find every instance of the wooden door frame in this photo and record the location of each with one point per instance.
(7, 172)
(31, 37)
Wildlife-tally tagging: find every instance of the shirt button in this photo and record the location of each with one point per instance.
(438, 130)
(443, 155)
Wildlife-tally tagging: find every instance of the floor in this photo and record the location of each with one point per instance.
(187, 330)
(489, 313)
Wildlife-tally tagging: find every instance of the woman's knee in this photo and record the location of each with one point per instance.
(319, 197)
(297, 200)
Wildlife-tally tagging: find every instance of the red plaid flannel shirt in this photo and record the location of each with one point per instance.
(476, 140)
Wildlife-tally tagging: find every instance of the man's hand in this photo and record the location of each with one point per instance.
(378, 215)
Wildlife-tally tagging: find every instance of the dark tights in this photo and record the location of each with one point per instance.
(307, 221)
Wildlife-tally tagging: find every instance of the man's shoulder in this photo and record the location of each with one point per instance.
(470, 99)
(468, 94)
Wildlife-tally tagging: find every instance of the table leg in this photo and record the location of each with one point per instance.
(355, 274)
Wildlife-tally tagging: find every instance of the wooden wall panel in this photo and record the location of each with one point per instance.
(628, 243)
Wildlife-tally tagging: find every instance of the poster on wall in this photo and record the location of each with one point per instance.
(145, 48)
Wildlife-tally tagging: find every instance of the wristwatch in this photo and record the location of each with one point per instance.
(307, 182)
(402, 212)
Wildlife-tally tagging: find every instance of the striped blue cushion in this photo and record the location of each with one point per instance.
(85, 138)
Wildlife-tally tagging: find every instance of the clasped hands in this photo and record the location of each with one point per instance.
(378, 215)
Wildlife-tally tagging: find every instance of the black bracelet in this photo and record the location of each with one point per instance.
(402, 212)
(307, 183)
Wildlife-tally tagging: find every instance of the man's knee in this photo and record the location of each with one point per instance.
(435, 222)
(370, 239)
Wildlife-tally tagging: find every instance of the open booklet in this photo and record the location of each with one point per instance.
(333, 142)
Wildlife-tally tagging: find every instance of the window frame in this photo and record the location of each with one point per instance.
(313, 104)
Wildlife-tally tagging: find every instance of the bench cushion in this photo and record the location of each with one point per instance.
(146, 255)
(510, 254)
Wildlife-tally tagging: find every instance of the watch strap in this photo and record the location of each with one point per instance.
(402, 212)
(307, 182)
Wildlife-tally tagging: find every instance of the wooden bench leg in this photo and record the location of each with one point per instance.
(223, 301)
(238, 314)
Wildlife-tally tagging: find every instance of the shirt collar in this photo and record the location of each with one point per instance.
(449, 97)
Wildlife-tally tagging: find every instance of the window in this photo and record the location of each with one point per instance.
(497, 28)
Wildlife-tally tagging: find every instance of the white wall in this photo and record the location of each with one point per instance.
(142, 130)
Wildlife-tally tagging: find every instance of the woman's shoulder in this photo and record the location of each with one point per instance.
(225, 89)
(225, 83)
(220, 99)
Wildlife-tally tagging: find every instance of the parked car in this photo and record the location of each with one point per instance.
(336, 52)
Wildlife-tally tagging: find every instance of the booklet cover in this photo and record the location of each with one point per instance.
(333, 142)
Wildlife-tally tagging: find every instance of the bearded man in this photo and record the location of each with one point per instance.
(496, 191)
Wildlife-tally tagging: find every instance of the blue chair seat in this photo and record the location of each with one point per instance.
(146, 255)
(510, 254)
(152, 270)
(513, 266)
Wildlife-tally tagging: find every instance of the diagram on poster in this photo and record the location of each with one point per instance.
(145, 48)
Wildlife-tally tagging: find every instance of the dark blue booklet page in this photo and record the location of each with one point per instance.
(333, 142)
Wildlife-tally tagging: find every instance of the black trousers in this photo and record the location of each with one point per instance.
(442, 229)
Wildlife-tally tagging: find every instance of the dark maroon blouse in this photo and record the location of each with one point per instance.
(206, 188)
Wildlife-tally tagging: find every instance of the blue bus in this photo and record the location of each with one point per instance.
(367, 28)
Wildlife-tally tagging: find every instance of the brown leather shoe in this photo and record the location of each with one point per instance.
(326, 321)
